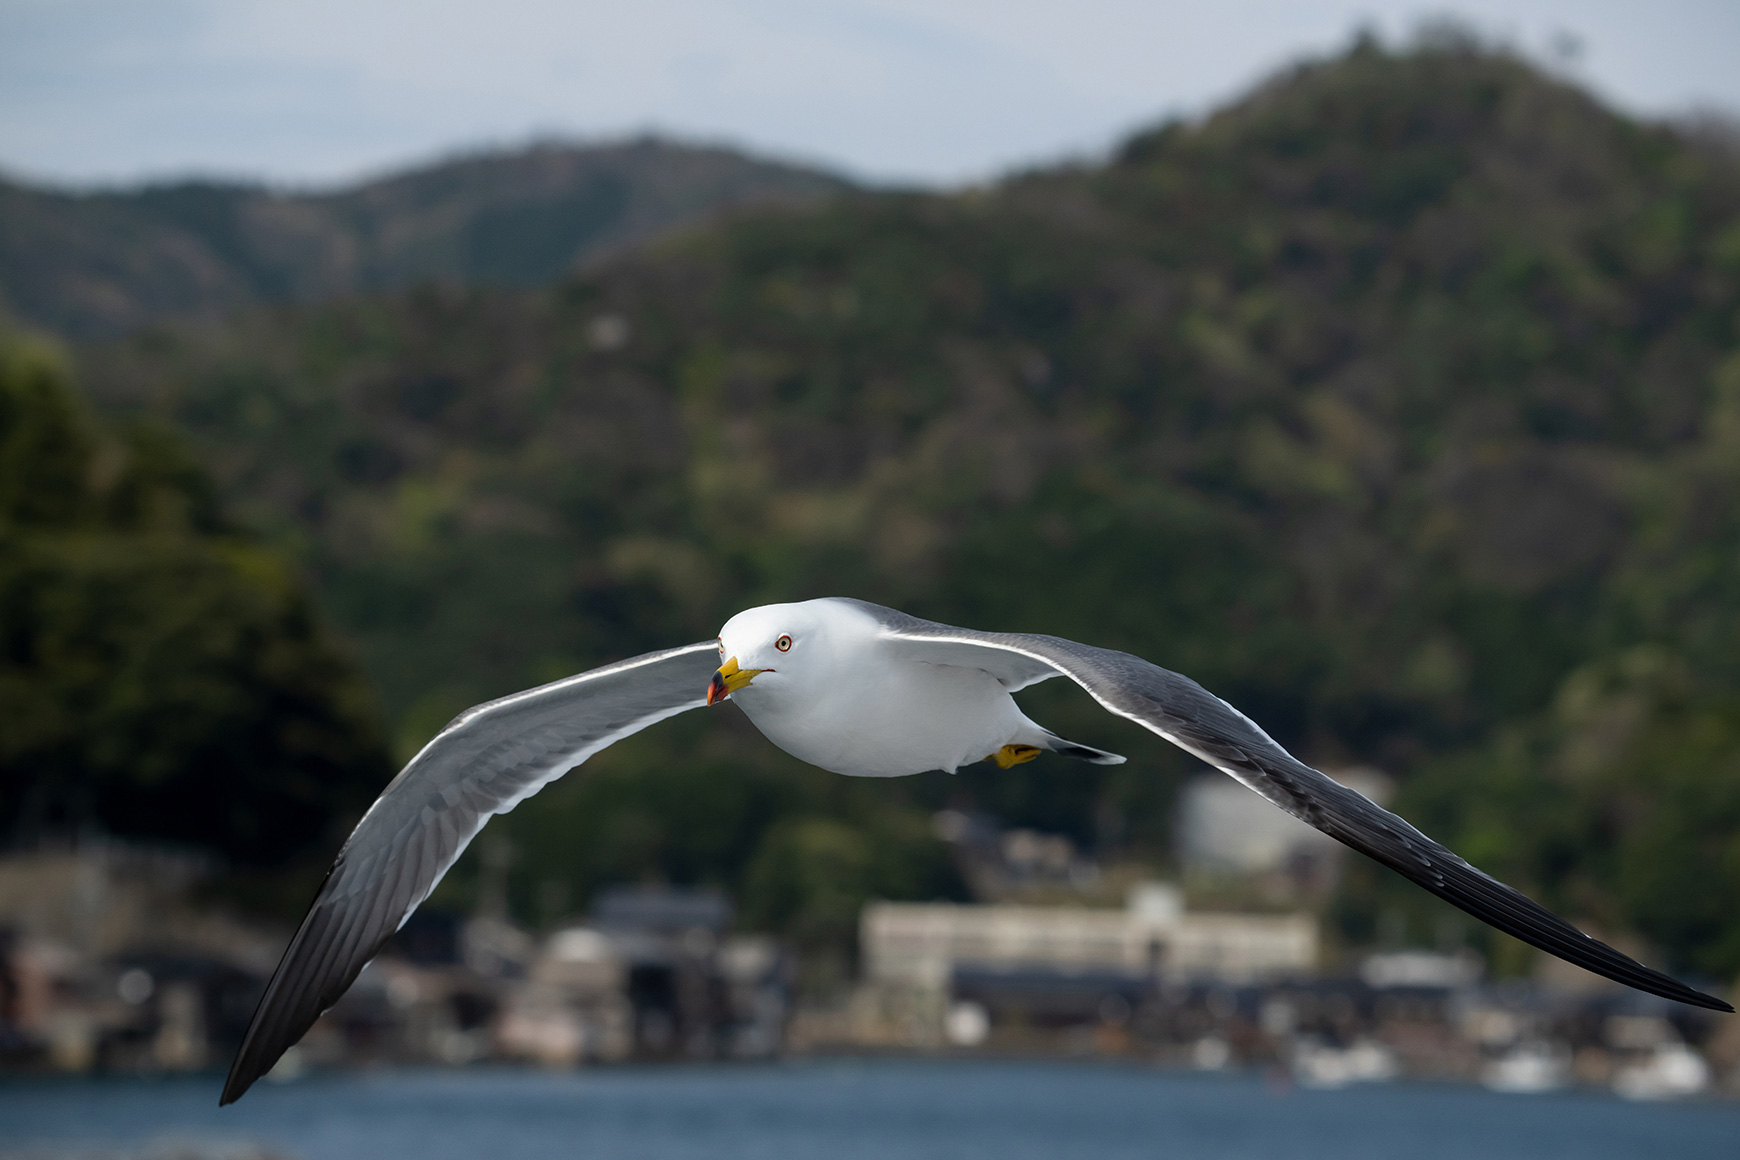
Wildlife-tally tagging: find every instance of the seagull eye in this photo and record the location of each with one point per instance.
(783, 644)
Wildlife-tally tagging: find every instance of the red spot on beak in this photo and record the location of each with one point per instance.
(716, 690)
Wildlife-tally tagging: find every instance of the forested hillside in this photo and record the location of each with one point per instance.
(1399, 403)
(162, 674)
(103, 263)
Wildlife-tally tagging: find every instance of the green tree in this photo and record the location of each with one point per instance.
(160, 675)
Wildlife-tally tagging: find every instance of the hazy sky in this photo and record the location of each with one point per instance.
(314, 91)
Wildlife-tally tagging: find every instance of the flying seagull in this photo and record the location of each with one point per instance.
(853, 688)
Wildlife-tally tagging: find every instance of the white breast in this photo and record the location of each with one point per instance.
(887, 718)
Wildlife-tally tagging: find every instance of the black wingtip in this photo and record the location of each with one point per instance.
(241, 1078)
(1708, 1002)
(245, 1068)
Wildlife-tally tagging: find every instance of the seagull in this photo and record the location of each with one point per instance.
(857, 689)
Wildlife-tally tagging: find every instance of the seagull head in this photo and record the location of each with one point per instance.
(787, 646)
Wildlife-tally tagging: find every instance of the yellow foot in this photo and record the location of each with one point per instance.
(1011, 755)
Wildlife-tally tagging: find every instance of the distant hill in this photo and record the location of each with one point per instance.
(1398, 402)
(94, 264)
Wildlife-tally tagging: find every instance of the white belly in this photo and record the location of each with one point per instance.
(932, 717)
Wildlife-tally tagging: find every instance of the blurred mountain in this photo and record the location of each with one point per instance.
(1396, 402)
(102, 263)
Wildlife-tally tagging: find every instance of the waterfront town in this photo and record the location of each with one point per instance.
(108, 963)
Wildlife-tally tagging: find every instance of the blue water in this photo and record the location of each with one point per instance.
(843, 1110)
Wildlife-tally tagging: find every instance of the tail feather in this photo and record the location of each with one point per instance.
(1081, 752)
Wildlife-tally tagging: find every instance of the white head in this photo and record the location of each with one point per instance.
(781, 650)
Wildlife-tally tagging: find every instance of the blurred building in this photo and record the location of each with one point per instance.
(105, 962)
(108, 961)
(963, 974)
(1153, 937)
(1213, 991)
(574, 1007)
(1226, 831)
(653, 973)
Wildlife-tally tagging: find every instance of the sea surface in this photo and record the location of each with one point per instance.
(839, 1110)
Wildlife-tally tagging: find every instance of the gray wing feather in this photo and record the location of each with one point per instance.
(1189, 716)
(488, 760)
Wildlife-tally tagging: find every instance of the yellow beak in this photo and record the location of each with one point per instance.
(729, 679)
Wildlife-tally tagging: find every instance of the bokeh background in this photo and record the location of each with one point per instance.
(1381, 370)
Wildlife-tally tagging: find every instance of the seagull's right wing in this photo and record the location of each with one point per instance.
(491, 758)
(1195, 720)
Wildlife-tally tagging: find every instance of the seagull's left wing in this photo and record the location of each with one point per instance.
(1186, 714)
(491, 758)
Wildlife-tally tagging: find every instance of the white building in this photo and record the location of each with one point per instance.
(1226, 829)
(921, 945)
